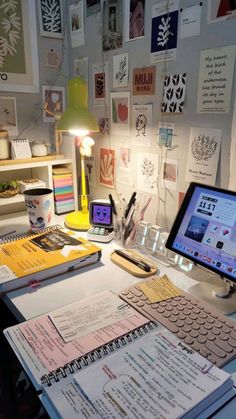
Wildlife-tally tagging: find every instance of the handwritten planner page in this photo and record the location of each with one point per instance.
(88, 315)
(41, 348)
(154, 377)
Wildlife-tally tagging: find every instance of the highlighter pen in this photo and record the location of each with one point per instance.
(140, 263)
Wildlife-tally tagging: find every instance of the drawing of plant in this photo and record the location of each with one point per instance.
(147, 170)
(51, 15)
(107, 167)
(10, 26)
(164, 31)
(100, 85)
(122, 71)
(203, 147)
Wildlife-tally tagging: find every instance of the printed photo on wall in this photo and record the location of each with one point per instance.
(144, 81)
(165, 135)
(215, 80)
(107, 167)
(120, 112)
(112, 24)
(141, 125)
(134, 19)
(76, 15)
(164, 30)
(121, 70)
(203, 155)
(90, 169)
(220, 10)
(81, 68)
(174, 93)
(124, 167)
(54, 102)
(103, 125)
(100, 83)
(170, 173)
(147, 172)
(8, 115)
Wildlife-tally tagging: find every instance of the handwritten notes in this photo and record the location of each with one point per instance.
(215, 80)
(160, 289)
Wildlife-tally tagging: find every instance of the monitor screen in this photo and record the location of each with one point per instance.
(204, 230)
(100, 214)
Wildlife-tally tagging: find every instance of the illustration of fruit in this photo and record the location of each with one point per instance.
(122, 112)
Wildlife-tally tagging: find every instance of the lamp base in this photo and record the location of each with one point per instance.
(77, 220)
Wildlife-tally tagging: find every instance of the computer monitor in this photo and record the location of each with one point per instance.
(204, 230)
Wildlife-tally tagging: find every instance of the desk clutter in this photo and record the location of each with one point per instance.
(110, 340)
(63, 190)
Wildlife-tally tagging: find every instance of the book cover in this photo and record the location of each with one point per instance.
(39, 256)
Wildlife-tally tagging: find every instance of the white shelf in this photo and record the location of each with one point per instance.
(29, 164)
(12, 200)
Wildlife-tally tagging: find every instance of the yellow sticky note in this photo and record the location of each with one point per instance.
(160, 289)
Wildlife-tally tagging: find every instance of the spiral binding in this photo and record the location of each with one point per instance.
(29, 233)
(99, 353)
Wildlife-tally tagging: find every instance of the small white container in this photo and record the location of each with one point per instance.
(39, 149)
(4, 146)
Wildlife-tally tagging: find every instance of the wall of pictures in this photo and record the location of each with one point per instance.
(162, 83)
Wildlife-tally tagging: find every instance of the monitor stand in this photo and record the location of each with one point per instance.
(213, 289)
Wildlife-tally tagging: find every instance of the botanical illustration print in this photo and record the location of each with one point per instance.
(120, 70)
(203, 155)
(147, 172)
(107, 167)
(51, 17)
(100, 85)
(11, 35)
(203, 147)
(100, 81)
(164, 30)
(174, 93)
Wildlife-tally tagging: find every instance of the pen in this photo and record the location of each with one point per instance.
(140, 263)
(113, 207)
(131, 202)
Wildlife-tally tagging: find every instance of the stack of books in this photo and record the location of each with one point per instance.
(63, 190)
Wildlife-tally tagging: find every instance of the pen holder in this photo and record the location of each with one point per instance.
(122, 231)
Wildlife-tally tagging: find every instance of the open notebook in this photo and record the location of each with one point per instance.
(99, 357)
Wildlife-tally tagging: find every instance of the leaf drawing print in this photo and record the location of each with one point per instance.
(10, 28)
(174, 93)
(100, 85)
(203, 147)
(51, 15)
(164, 31)
(107, 169)
(122, 72)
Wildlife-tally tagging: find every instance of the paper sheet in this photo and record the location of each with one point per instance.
(160, 289)
(154, 377)
(88, 315)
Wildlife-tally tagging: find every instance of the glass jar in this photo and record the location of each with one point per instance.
(4, 145)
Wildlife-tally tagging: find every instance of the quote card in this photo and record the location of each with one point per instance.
(215, 80)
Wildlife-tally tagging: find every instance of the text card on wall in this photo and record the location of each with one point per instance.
(215, 80)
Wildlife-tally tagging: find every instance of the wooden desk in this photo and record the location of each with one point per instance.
(27, 303)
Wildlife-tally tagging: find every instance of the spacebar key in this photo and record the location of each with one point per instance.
(215, 349)
(153, 315)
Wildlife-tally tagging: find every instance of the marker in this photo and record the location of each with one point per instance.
(140, 263)
(131, 202)
(113, 206)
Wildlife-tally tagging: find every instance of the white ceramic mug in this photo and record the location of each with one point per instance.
(39, 204)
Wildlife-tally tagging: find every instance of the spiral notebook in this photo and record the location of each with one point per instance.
(56, 344)
(100, 358)
(35, 256)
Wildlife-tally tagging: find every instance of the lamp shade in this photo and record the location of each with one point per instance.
(77, 115)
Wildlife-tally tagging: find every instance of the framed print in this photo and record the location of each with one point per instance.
(134, 19)
(8, 115)
(19, 56)
(120, 112)
(107, 167)
(54, 102)
(50, 18)
(220, 10)
(112, 25)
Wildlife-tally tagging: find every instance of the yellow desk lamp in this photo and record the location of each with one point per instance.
(78, 121)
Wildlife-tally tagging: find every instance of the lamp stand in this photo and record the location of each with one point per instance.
(79, 220)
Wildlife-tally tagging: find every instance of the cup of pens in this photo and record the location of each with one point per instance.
(123, 221)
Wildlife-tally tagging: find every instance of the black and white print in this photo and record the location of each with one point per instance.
(174, 93)
(50, 18)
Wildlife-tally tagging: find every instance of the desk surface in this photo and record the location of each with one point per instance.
(26, 303)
